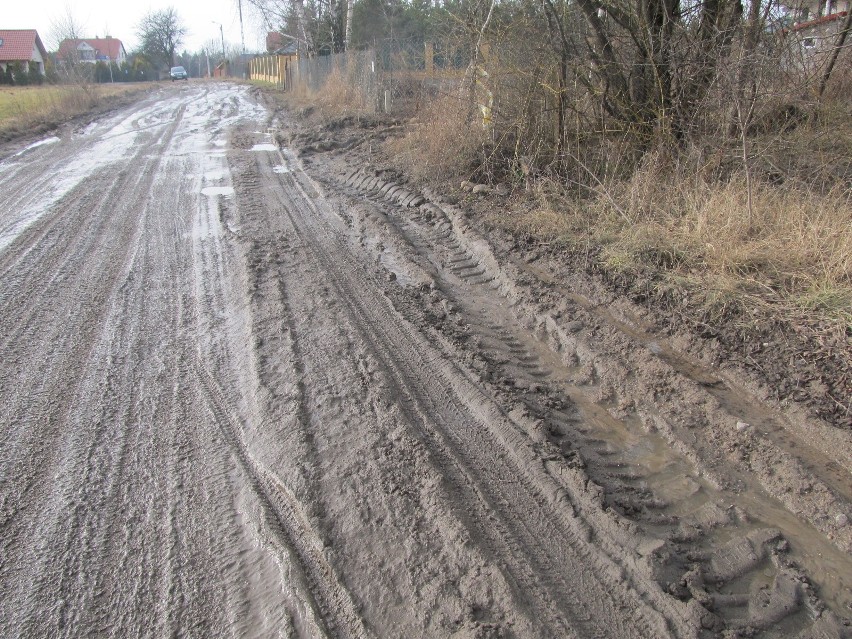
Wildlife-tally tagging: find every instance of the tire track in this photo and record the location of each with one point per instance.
(331, 602)
(110, 518)
(688, 554)
(393, 344)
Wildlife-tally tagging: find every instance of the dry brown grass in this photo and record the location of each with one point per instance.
(688, 217)
(441, 144)
(792, 248)
(794, 244)
(33, 108)
(340, 96)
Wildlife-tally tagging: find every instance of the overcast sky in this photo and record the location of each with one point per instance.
(119, 19)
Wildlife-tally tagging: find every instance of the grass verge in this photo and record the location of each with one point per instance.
(756, 259)
(35, 109)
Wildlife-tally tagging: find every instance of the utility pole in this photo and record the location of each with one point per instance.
(222, 35)
(242, 33)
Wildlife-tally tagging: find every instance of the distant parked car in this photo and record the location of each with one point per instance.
(178, 73)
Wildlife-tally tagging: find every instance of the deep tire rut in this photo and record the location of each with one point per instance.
(468, 430)
(249, 394)
(711, 553)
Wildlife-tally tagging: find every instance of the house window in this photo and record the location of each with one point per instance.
(808, 43)
(1, 42)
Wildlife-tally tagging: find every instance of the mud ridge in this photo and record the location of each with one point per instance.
(471, 260)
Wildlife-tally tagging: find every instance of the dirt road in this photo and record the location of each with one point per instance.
(250, 395)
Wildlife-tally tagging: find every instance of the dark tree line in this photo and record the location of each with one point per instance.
(161, 33)
(18, 74)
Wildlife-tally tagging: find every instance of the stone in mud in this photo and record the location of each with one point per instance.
(575, 326)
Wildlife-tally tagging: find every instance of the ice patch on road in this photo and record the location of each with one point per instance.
(112, 147)
(202, 133)
(35, 145)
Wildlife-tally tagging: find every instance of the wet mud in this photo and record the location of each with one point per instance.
(256, 388)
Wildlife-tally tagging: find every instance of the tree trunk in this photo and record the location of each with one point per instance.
(350, 10)
(304, 34)
(745, 88)
(838, 47)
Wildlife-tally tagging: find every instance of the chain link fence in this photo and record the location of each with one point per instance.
(393, 76)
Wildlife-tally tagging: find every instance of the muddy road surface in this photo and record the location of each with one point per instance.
(254, 392)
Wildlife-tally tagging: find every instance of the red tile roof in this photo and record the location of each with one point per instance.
(812, 23)
(18, 44)
(104, 47)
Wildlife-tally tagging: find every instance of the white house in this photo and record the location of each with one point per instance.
(92, 50)
(23, 46)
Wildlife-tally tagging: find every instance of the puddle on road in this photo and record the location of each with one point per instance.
(214, 175)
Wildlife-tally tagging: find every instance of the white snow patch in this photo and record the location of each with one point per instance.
(281, 169)
(215, 175)
(264, 147)
(35, 145)
(202, 129)
(217, 190)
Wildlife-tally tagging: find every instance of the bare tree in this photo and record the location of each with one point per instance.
(161, 33)
(66, 28)
(350, 12)
(277, 13)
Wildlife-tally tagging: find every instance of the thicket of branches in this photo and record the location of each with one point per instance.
(637, 75)
(700, 135)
